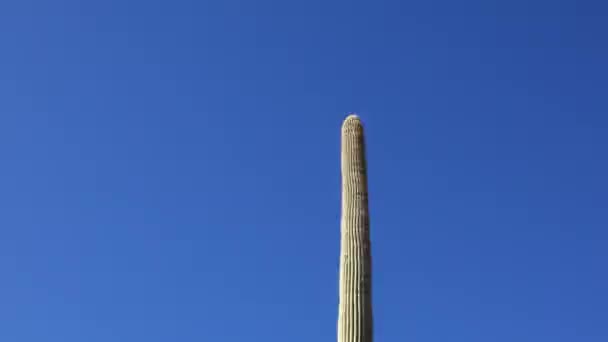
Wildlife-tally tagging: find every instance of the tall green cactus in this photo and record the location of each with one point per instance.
(355, 312)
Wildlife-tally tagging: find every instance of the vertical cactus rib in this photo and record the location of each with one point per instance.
(355, 308)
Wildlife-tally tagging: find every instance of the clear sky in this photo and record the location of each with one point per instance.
(170, 169)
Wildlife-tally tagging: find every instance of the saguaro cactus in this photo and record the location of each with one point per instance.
(355, 312)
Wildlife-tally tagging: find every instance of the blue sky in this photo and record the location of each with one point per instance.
(170, 170)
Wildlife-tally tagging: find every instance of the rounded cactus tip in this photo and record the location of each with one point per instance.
(351, 121)
(352, 116)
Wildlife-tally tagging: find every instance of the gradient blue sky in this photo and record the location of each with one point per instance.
(170, 170)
